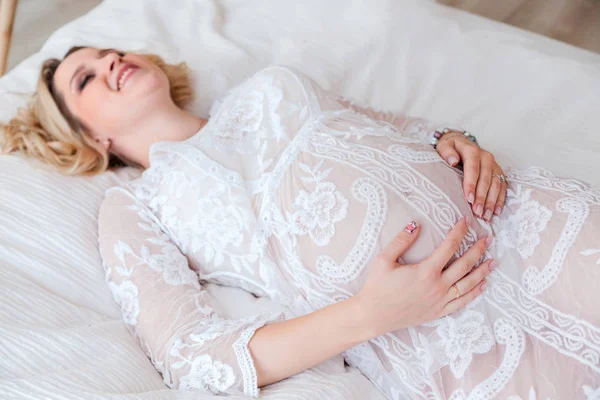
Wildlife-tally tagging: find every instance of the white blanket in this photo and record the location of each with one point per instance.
(528, 99)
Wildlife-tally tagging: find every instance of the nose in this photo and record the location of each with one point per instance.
(112, 59)
(109, 64)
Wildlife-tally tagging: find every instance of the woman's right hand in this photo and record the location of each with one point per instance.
(397, 296)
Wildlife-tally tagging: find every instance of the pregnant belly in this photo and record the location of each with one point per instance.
(347, 202)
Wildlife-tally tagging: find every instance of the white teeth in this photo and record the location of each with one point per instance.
(123, 76)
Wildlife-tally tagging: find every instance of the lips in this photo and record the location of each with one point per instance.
(124, 74)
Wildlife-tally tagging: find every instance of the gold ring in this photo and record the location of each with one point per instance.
(500, 176)
(456, 290)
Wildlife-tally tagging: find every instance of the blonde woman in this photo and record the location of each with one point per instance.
(290, 192)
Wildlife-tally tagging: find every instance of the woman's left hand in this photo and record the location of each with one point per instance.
(482, 186)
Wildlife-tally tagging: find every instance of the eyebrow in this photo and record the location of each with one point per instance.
(101, 53)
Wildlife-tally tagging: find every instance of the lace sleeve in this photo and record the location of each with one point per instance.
(176, 322)
(416, 128)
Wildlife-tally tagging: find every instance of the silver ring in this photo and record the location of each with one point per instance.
(501, 177)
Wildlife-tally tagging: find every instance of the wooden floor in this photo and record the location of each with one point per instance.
(573, 21)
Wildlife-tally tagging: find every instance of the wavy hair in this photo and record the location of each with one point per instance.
(45, 128)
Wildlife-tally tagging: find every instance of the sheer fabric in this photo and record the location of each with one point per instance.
(289, 191)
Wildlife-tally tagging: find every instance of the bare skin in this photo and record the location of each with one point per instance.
(394, 297)
(130, 111)
(127, 120)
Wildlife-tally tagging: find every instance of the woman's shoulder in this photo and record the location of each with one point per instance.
(118, 196)
(280, 70)
(130, 186)
(282, 77)
(268, 86)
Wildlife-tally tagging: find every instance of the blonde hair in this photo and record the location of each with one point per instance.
(46, 130)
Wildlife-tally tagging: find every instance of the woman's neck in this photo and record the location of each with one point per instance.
(169, 124)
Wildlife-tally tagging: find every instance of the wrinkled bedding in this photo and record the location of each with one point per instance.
(528, 99)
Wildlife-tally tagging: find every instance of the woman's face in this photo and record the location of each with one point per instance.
(109, 91)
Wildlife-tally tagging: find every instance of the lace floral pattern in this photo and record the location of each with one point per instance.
(126, 296)
(462, 337)
(509, 335)
(536, 280)
(366, 191)
(240, 122)
(289, 192)
(220, 224)
(208, 375)
(521, 230)
(317, 212)
(169, 263)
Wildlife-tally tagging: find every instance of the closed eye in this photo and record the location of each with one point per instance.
(85, 81)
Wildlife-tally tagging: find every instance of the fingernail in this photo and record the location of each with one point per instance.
(483, 285)
(452, 160)
(411, 227)
(471, 198)
(468, 220)
(479, 210)
(492, 265)
(488, 241)
(498, 210)
(488, 214)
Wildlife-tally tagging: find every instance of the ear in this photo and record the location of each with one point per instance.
(105, 143)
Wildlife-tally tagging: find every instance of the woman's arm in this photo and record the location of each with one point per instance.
(178, 324)
(394, 297)
(286, 348)
(486, 195)
(418, 129)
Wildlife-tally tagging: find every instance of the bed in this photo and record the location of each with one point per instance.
(530, 100)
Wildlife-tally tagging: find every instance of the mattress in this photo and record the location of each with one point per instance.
(530, 100)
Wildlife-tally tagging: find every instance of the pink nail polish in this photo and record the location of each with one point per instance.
(492, 265)
(452, 160)
(468, 220)
(411, 227)
(471, 198)
(498, 210)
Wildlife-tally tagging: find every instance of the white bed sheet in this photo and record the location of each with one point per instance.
(530, 100)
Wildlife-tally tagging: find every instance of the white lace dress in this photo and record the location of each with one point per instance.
(289, 191)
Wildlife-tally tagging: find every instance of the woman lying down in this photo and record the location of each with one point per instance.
(437, 282)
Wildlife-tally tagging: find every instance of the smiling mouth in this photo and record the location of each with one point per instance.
(125, 74)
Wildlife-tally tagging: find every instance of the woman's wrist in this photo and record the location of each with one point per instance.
(445, 133)
(361, 322)
(282, 349)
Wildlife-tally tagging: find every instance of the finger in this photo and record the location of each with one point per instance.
(471, 280)
(446, 150)
(501, 199)
(401, 243)
(469, 154)
(450, 246)
(483, 183)
(463, 265)
(492, 198)
(463, 300)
